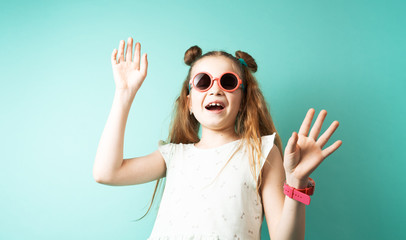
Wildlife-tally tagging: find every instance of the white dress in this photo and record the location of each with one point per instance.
(192, 208)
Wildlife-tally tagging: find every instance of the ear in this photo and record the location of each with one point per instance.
(189, 102)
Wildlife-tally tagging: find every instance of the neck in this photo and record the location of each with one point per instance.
(214, 138)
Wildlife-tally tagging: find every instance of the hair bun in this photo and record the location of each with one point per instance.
(192, 54)
(250, 61)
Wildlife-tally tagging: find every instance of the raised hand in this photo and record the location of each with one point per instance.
(304, 153)
(129, 74)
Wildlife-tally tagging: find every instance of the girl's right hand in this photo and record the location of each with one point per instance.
(129, 75)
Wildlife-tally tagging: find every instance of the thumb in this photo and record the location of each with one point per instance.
(292, 143)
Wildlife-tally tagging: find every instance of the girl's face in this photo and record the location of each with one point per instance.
(215, 117)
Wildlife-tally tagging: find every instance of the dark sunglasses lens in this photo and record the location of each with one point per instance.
(229, 81)
(202, 81)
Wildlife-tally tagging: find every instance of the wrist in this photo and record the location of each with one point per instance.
(296, 183)
(124, 97)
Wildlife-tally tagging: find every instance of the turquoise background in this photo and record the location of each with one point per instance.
(57, 87)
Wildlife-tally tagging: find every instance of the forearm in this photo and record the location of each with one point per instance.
(109, 156)
(291, 224)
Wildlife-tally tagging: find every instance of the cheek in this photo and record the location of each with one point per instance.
(237, 101)
(196, 100)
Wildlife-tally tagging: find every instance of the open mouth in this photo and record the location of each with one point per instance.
(214, 106)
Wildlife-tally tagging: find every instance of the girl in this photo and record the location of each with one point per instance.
(217, 186)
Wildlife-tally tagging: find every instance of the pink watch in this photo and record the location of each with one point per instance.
(301, 195)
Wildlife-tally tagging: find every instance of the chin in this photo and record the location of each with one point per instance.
(215, 125)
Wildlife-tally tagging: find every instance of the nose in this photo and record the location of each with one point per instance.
(215, 89)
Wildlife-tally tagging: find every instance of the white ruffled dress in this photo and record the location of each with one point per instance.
(194, 209)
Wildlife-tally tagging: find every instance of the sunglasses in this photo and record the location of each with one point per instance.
(228, 82)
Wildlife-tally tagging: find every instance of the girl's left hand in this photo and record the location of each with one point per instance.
(303, 153)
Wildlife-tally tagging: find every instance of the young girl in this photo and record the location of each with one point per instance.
(217, 186)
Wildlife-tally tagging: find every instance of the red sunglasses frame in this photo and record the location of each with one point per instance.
(192, 82)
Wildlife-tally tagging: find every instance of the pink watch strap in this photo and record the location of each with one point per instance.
(293, 193)
(301, 195)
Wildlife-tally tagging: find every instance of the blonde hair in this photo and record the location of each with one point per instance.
(252, 122)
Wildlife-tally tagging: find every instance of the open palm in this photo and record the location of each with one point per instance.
(304, 153)
(129, 74)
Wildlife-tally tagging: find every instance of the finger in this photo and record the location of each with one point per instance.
(323, 139)
(137, 55)
(291, 146)
(144, 64)
(304, 128)
(326, 152)
(128, 56)
(114, 57)
(121, 51)
(314, 133)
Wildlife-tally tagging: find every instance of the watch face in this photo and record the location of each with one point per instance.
(311, 183)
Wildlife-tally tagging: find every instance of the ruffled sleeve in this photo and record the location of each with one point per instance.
(166, 150)
(267, 144)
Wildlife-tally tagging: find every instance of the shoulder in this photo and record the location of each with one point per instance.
(168, 145)
(170, 151)
(269, 137)
(267, 142)
(273, 173)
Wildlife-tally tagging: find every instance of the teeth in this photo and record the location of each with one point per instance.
(214, 104)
